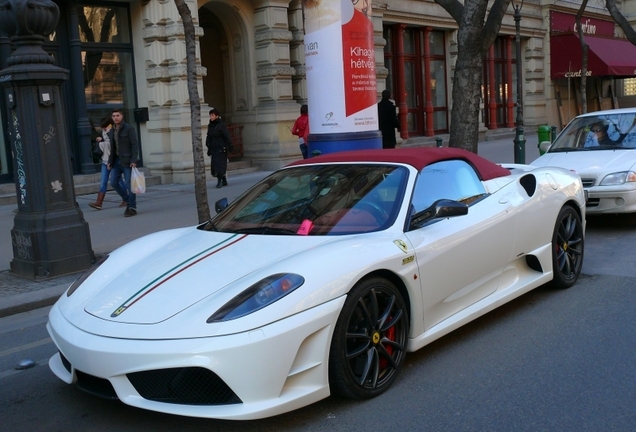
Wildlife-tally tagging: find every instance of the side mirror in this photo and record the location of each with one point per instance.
(443, 208)
(448, 208)
(544, 146)
(220, 205)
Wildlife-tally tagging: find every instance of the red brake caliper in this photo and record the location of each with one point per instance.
(390, 334)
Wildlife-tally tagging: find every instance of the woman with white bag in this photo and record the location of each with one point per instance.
(104, 145)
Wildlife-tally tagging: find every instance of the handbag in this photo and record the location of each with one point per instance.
(96, 151)
(137, 181)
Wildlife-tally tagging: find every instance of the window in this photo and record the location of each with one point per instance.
(107, 60)
(629, 87)
(453, 179)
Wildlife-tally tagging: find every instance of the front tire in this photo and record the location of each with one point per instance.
(568, 246)
(369, 341)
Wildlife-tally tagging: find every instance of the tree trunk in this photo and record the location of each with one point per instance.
(467, 80)
(200, 187)
(584, 49)
(621, 21)
(475, 35)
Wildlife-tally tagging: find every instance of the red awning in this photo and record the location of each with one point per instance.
(605, 57)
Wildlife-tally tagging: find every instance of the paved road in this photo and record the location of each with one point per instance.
(548, 361)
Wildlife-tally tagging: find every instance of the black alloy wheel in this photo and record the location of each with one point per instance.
(370, 340)
(568, 245)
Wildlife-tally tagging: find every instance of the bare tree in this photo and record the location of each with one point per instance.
(584, 49)
(200, 188)
(475, 35)
(621, 21)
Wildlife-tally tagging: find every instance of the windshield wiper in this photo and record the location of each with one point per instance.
(209, 226)
(265, 230)
(569, 149)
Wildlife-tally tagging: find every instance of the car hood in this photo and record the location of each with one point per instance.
(155, 278)
(592, 162)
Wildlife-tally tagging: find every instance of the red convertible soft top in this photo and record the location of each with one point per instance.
(418, 157)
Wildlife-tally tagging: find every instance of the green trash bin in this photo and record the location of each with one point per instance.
(545, 134)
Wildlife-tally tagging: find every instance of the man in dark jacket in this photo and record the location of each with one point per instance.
(123, 158)
(388, 120)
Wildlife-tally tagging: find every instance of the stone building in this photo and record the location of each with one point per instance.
(131, 55)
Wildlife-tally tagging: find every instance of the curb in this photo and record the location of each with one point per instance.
(25, 302)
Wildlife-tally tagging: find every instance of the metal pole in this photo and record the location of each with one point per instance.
(520, 142)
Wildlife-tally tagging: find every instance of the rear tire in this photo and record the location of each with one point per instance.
(568, 246)
(369, 341)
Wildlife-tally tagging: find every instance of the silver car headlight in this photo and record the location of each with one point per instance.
(618, 178)
(85, 276)
(259, 295)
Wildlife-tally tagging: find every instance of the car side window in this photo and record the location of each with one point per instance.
(452, 179)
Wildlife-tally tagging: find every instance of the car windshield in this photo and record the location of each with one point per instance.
(609, 131)
(318, 200)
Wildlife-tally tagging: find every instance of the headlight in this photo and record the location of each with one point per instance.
(259, 295)
(618, 178)
(85, 276)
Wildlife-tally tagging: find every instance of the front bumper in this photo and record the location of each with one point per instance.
(611, 199)
(272, 370)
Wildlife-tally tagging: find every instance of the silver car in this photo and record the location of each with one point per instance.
(601, 148)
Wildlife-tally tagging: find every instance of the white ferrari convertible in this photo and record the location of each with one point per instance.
(316, 281)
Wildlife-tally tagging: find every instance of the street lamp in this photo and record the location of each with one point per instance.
(520, 142)
(50, 236)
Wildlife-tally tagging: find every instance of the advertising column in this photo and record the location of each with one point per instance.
(341, 82)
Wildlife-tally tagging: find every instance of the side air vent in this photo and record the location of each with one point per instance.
(533, 262)
(529, 183)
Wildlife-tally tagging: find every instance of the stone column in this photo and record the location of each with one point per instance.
(297, 51)
(533, 60)
(169, 142)
(276, 107)
(273, 68)
(49, 237)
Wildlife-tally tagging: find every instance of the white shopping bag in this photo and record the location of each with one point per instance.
(137, 182)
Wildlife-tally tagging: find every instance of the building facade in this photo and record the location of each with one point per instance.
(131, 55)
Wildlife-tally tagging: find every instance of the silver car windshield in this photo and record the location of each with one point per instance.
(318, 200)
(602, 132)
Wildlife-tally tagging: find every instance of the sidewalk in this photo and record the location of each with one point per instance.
(161, 207)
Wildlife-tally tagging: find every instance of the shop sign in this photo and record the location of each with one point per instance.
(577, 74)
(566, 23)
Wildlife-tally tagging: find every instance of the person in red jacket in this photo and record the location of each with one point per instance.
(301, 129)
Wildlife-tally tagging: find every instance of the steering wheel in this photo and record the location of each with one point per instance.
(380, 215)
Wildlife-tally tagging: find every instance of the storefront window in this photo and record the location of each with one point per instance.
(104, 24)
(109, 83)
(107, 61)
(629, 87)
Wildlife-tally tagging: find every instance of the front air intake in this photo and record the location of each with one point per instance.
(185, 386)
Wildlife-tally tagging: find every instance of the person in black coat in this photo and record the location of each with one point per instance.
(388, 120)
(219, 145)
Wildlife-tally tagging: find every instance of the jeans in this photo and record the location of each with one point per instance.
(103, 184)
(303, 147)
(123, 189)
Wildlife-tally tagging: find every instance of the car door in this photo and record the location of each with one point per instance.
(460, 258)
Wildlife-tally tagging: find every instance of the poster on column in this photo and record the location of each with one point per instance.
(340, 66)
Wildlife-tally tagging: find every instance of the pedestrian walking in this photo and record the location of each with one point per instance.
(123, 158)
(388, 120)
(103, 139)
(301, 129)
